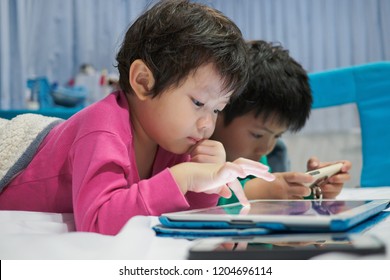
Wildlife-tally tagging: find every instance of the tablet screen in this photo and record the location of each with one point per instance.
(285, 207)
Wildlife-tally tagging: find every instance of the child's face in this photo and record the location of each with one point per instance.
(248, 136)
(181, 116)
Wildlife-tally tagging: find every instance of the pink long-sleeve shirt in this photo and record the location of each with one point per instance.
(86, 165)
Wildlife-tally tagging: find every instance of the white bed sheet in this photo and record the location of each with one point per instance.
(35, 235)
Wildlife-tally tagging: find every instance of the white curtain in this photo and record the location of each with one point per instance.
(53, 38)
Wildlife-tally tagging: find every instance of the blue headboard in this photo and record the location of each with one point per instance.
(368, 86)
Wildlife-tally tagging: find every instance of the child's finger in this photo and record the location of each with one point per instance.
(313, 163)
(254, 168)
(247, 164)
(263, 174)
(339, 178)
(225, 192)
(299, 191)
(236, 187)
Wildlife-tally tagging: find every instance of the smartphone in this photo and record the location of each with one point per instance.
(284, 247)
(322, 174)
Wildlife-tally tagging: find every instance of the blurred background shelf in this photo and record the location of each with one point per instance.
(63, 113)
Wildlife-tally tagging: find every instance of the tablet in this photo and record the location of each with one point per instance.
(285, 247)
(280, 215)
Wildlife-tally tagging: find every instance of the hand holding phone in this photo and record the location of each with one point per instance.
(321, 176)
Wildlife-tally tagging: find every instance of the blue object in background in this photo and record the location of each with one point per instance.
(49, 96)
(69, 96)
(368, 86)
(40, 92)
(52, 100)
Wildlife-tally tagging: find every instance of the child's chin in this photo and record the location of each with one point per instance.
(179, 150)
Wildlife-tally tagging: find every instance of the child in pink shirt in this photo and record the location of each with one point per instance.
(144, 150)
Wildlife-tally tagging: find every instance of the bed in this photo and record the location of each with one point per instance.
(35, 235)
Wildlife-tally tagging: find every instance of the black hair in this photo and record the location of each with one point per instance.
(278, 87)
(176, 37)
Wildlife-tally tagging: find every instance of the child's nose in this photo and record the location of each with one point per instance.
(206, 122)
(270, 146)
(261, 151)
(265, 147)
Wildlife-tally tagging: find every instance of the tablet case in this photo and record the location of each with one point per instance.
(204, 232)
(199, 229)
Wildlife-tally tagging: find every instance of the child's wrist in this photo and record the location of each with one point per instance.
(181, 177)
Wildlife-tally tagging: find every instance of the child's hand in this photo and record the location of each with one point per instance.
(208, 151)
(335, 183)
(219, 178)
(287, 185)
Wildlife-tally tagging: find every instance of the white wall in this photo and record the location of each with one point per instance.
(327, 146)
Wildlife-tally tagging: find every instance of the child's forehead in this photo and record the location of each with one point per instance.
(208, 80)
(271, 120)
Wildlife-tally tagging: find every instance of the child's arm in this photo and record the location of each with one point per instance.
(218, 178)
(335, 183)
(287, 185)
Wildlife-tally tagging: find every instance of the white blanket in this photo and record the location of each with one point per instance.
(35, 235)
(19, 140)
(29, 235)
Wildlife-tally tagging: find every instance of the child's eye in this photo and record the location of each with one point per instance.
(255, 135)
(197, 103)
(216, 111)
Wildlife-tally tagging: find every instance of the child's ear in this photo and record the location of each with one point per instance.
(141, 79)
